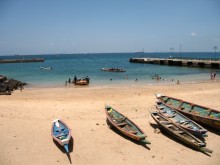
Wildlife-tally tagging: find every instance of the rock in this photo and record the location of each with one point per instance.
(8, 85)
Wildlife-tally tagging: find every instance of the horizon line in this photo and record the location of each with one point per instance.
(139, 53)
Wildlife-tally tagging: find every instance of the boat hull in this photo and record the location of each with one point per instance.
(125, 125)
(198, 113)
(179, 133)
(113, 70)
(61, 133)
(81, 82)
(181, 120)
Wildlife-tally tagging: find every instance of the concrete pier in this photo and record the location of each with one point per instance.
(178, 62)
(3, 61)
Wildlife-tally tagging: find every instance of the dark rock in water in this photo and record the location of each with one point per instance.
(2, 78)
(8, 85)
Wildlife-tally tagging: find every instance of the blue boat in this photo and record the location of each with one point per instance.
(61, 133)
(181, 120)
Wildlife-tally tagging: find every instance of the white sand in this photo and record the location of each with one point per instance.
(25, 124)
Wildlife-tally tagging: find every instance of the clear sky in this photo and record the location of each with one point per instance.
(94, 26)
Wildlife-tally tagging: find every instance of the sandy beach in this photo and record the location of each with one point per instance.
(26, 117)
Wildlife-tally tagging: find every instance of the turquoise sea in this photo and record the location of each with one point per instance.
(65, 66)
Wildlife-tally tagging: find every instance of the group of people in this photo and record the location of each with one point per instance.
(75, 80)
(213, 75)
(157, 77)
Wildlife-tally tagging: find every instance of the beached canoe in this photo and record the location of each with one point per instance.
(181, 120)
(124, 125)
(179, 133)
(61, 133)
(198, 113)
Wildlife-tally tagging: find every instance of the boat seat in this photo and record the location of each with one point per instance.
(184, 121)
(122, 124)
(133, 132)
(179, 132)
(169, 125)
(120, 119)
(161, 107)
(63, 133)
(165, 122)
(158, 102)
(192, 140)
(170, 116)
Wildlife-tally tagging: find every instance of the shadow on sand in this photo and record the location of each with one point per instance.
(155, 126)
(62, 149)
(212, 130)
(128, 138)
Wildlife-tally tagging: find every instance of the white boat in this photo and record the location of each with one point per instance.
(46, 68)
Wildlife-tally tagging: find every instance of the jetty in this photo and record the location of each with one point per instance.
(178, 62)
(3, 61)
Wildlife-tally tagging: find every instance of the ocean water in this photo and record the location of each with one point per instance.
(65, 66)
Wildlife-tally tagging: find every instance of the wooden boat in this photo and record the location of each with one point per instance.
(181, 120)
(113, 69)
(179, 133)
(124, 125)
(81, 82)
(61, 133)
(201, 114)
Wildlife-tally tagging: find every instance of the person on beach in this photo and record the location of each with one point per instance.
(87, 79)
(75, 79)
(21, 88)
(69, 80)
(211, 75)
(214, 75)
(178, 82)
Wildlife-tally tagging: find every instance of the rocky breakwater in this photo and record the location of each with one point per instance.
(8, 85)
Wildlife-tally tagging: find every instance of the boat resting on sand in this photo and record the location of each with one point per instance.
(61, 133)
(124, 125)
(81, 82)
(179, 133)
(198, 113)
(181, 120)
